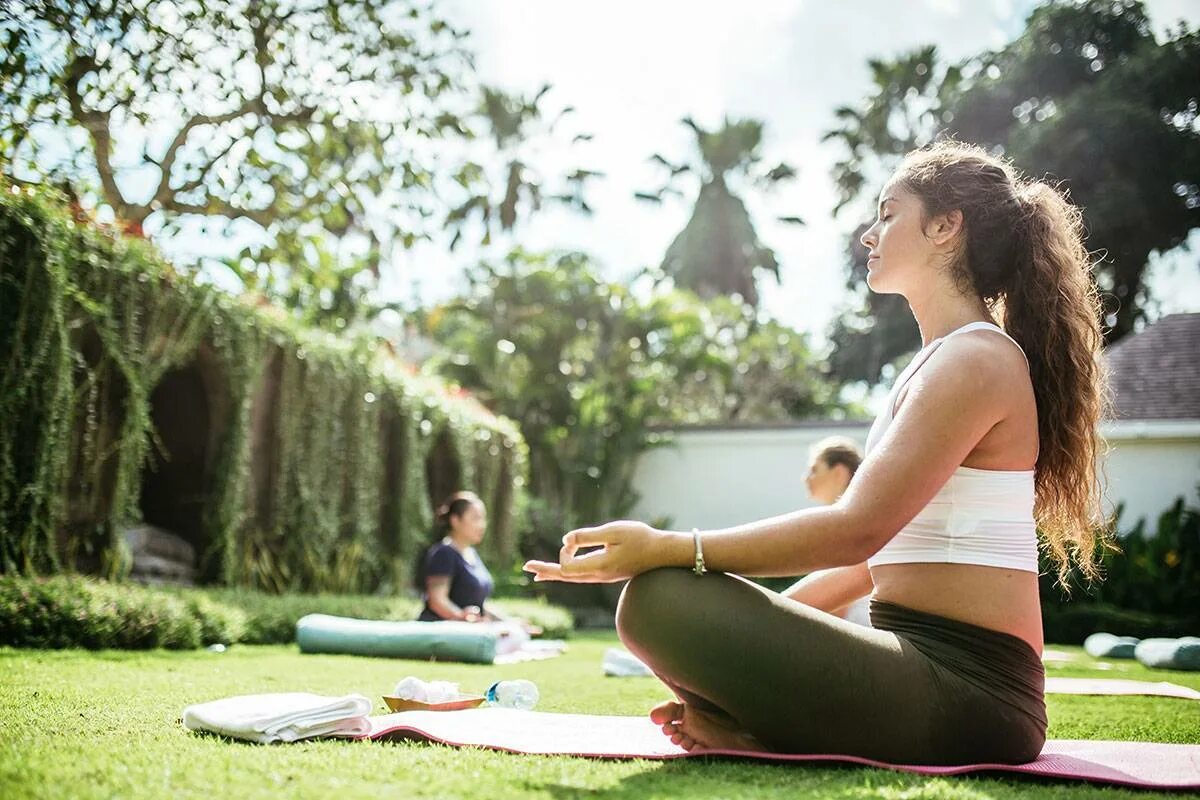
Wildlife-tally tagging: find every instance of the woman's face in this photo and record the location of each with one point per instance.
(900, 252)
(470, 525)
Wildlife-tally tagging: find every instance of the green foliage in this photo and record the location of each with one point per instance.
(300, 122)
(219, 623)
(1073, 622)
(1086, 95)
(68, 611)
(500, 186)
(586, 368)
(718, 252)
(318, 475)
(1150, 572)
(64, 612)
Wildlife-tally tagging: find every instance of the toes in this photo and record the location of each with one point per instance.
(665, 712)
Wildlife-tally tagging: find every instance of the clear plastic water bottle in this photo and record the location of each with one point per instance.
(518, 694)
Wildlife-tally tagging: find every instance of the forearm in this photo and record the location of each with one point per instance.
(834, 589)
(446, 608)
(790, 544)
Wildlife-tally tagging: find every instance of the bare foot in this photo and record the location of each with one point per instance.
(691, 728)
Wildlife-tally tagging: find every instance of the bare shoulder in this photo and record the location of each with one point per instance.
(990, 355)
(983, 370)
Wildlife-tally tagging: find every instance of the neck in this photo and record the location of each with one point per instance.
(457, 542)
(939, 313)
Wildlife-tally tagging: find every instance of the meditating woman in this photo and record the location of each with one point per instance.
(454, 581)
(988, 436)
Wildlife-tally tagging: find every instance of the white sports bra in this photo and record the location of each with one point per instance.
(979, 516)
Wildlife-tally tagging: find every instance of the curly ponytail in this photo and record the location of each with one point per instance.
(1023, 254)
(1053, 310)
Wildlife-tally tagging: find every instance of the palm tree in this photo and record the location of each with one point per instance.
(904, 110)
(516, 127)
(718, 251)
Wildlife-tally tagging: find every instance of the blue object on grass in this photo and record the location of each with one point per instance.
(1183, 653)
(445, 641)
(1105, 645)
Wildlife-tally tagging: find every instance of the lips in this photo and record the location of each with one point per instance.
(871, 260)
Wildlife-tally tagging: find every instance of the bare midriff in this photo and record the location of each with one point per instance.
(997, 598)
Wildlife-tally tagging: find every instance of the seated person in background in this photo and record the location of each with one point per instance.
(833, 462)
(454, 582)
(452, 578)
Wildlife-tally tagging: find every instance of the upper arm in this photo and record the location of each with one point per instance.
(951, 403)
(441, 562)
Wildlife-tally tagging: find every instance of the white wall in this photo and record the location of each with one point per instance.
(1150, 464)
(718, 477)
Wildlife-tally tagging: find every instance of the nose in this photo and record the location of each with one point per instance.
(870, 238)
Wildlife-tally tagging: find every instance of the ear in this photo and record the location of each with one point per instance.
(945, 227)
(843, 472)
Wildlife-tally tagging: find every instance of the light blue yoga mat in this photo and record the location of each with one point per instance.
(444, 641)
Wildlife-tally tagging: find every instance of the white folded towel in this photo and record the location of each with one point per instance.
(281, 717)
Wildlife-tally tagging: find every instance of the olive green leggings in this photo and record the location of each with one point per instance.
(915, 689)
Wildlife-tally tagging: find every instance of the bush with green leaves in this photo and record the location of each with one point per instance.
(1153, 571)
(63, 612)
(588, 367)
(73, 611)
(1150, 584)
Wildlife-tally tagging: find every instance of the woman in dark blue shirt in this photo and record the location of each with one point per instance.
(452, 577)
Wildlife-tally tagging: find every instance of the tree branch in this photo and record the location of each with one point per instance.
(197, 182)
(223, 208)
(97, 125)
(163, 192)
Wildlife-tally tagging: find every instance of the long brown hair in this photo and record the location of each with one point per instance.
(1022, 252)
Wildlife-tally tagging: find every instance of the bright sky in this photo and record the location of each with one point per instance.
(633, 69)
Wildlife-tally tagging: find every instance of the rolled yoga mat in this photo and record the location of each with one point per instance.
(1105, 645)
(444, 641)
(1183, 653)
(1141, 764)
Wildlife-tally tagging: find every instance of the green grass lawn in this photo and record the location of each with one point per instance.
(106, 724)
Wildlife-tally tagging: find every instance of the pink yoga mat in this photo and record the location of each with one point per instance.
(1142, 764)
(1118, 686)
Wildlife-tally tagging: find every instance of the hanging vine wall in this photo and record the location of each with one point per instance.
(312, 452)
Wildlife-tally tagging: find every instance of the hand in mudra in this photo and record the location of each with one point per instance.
(625, 549)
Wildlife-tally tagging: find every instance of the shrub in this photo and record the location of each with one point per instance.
(1072, 623)
(1154, 572)
(72, 612)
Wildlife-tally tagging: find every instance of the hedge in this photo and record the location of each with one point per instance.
(70, 611)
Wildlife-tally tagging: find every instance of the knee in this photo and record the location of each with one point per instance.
(649, 600)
